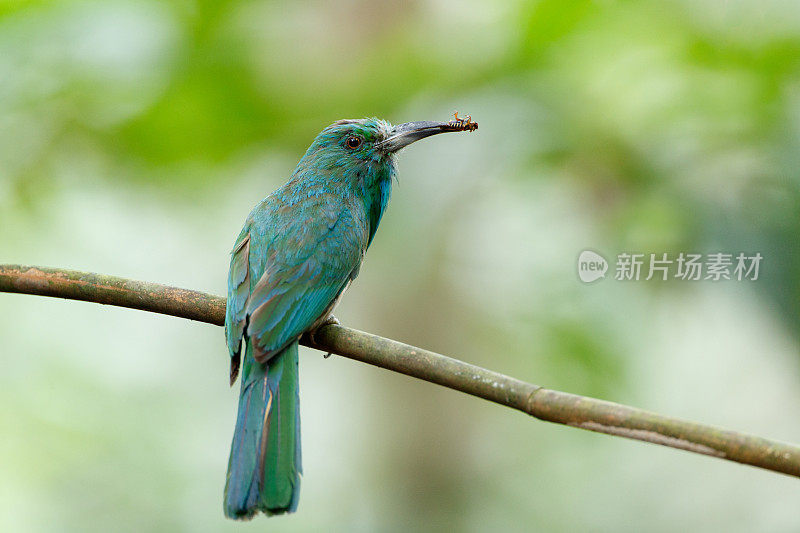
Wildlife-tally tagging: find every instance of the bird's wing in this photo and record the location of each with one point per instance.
(308, 264)
(238, 293)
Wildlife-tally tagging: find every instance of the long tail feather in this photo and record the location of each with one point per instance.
(264, 466)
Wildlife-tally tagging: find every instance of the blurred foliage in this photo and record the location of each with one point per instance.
(135, 136)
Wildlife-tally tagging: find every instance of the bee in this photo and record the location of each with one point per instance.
(464, 124)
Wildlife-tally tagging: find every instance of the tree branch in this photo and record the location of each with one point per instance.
(544, 404)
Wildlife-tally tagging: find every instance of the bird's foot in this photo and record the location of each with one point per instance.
(331, 320)
(328, 321)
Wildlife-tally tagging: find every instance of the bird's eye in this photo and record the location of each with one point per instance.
(353, 142)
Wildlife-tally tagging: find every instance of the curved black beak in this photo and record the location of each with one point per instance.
(402, 135)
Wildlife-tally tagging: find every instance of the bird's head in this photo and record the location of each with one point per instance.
(357, 157)
(366, 145)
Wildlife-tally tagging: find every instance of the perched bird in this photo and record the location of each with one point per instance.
(299, 250)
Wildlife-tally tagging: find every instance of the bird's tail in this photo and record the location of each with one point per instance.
(264, 466)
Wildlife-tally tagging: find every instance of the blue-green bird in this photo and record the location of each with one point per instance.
(298, 251)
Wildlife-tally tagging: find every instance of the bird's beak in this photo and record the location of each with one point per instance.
(402, 135)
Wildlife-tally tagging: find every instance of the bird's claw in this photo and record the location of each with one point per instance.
(331, 320)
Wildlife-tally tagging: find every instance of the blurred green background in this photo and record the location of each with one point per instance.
(135, 136)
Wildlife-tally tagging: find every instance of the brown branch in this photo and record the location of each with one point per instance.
(544, 404)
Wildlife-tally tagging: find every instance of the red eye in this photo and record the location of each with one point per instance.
(354, 142)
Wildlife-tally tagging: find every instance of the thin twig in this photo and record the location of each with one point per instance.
(544, 404)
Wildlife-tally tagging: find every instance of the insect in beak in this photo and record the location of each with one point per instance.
(402, 135)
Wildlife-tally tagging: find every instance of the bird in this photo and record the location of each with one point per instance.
(299, 250)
